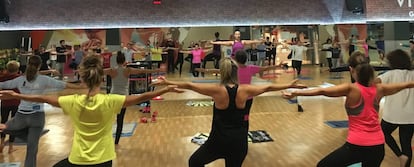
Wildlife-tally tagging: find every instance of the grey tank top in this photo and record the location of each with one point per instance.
(120, 84)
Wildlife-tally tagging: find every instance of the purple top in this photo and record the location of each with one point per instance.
(236, 47)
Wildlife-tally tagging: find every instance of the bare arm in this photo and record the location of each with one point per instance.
(390, 89)
(267, 68)
(207, 50)
(51, 99)
(213, 70)
(108, 71)
(377, 80)
(205, 89)
(334, 91)
(228, 43)
(46, 72)
(132, 100)
(142, 71)
(249, 42)
(259, 89)
(185, 51)
(75, 86)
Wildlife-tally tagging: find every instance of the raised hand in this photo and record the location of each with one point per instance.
(159, 81)
(55, 72)
(7, 94)
(288, 95)
(173, 88)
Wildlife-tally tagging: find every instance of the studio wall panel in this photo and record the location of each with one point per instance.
(72, 14)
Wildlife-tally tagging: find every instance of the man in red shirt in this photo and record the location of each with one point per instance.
(8, 106)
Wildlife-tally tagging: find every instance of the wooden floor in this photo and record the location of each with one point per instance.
(301, 139)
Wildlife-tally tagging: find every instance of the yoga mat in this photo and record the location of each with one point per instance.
(10, 164)
(292, 101)
(199, 138)
(127, 130)
(204, 103)
(356, 165)
(337, 124)
(305, 78)
(257, 136)
(20, 140)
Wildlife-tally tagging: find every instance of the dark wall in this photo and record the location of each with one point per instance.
(113, 37)
(12, 39)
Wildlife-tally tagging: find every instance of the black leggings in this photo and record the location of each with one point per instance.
(297, 65)
(348, 154)
(194, 66)
(180, 61)
(66, 163)
(5, 111)
(329, 62)
(119, 125)
(406, 135)
(232, 151)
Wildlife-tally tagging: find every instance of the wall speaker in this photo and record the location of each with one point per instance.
(355, 6)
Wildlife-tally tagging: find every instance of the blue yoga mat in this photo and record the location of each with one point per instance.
(292, 101)
(127, 130)
(337, 124)
(355, 165)
(10, 164)
(305, 78)
(336, 77)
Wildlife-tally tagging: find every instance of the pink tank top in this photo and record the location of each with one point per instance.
(237, 45)
(364, 126)
(246, 73)
(197, 55)
(366, 50)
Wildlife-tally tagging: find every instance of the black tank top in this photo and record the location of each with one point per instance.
(231, 122)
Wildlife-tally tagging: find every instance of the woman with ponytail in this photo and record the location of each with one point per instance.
(365, 141)
(398, 108)
(92, 115)
(120, 85)
(30, 117)
(230, 114)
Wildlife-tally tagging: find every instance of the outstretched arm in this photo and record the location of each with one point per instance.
(46, 72)
(229, 43)
(205, 89)
(259, 89)
(207, 50)
(51, 99)
(334, 91)
(142, 71)
(132, 100)
(209, 70)
(267, 68)
(249, 42)
(185, 51)
(390, 89)
(75, 86)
